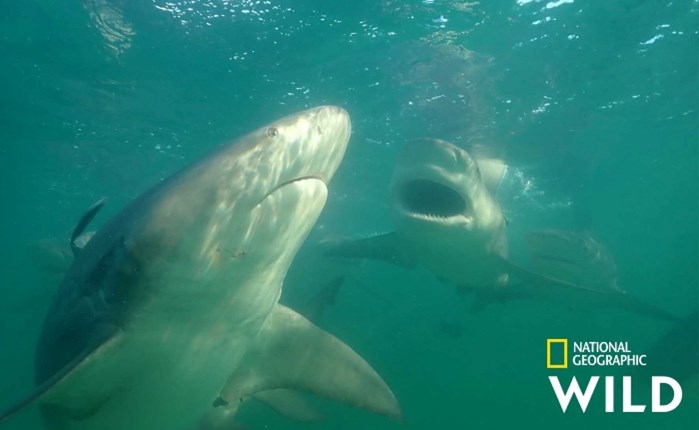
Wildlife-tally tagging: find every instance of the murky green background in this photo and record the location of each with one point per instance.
(593, 104)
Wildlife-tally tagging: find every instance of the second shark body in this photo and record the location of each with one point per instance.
(448, 219)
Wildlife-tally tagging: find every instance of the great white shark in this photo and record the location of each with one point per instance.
(170, 311)
(448, 220)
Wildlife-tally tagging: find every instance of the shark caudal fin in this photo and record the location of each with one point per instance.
(292, 353)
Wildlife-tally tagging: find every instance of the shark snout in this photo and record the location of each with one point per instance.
(317, 140)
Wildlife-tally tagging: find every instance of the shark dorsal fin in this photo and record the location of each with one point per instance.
(492, 171)
(83, 222)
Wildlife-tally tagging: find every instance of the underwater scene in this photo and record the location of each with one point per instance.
(323, 214)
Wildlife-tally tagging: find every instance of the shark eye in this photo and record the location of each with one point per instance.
(272, 132)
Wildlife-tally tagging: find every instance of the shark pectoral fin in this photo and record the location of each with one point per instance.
(540, 284)
(387, 247)
(573, 257)
(290, 352)
(492, 171)
(290, 404)
(46, 389)
(21, 405)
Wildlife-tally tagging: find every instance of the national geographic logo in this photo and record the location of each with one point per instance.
(592, 353)
(556, 344)
(604, 354)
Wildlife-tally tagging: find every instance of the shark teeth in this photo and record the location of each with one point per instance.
(431, 216)
(435, 216)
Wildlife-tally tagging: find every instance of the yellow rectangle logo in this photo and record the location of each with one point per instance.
(564, 364)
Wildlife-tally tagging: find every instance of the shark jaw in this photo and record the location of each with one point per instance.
(443, 209)
(438, 186)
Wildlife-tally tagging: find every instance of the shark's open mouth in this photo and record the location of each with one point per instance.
(431, 198)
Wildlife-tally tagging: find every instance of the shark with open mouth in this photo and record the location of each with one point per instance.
(448, 220)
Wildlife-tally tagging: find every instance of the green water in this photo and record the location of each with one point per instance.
(593, 104)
